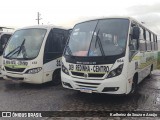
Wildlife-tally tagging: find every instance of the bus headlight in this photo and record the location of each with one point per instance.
(33, 70)
(65, 70)
(115, 72)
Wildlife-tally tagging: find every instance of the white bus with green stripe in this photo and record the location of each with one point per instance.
(108, 55)
(33, 54)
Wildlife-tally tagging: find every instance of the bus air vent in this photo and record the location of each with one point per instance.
(14, 69)
(110, 89)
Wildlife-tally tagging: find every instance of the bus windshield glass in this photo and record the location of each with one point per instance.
(25, 43)
(104, 37)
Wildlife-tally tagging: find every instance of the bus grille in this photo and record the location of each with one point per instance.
(87, 84)
(80, 74)
(14, 70)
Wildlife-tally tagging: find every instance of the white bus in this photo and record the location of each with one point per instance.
(4, 37)
(33, 54)
(109, 55)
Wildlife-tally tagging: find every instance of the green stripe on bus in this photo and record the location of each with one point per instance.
(143, 65)
(15, 66)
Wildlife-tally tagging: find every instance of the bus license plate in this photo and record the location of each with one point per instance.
(86, 90)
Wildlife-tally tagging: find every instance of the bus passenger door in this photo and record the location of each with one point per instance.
(53, 52)
(133, 57)
(134, 54)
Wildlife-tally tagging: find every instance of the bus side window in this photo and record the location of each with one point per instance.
(142, 42)
(156, 43)
(152, 42)
(54, 45)
(133, 46)
(148, 43)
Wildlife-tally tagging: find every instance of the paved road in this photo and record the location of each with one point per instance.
(28, 97)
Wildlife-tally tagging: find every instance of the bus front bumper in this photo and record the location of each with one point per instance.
(116, 85)
(27, 78)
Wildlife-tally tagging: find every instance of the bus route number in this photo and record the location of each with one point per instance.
(58, 63)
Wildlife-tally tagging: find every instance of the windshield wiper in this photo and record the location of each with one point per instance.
(68, 50)
(21, 47)
(13, 51)
(100, 44)
(17, 49)
(24, 52)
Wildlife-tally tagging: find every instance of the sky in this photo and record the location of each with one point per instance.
(20, 13)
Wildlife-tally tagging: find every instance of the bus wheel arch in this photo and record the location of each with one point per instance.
(134, 84)
(56, 77)
(150, 71)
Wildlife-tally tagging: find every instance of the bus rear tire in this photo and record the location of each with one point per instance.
(134, 85)
(56, 78)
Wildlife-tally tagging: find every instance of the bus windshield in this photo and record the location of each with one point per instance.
(104, 37)
(25, 43)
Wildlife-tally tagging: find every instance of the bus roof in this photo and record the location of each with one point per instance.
(1, 32)
(43, 26)
(120, 17)
(101, 18)
(1, 27)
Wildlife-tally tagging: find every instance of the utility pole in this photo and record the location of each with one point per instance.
(38, 17)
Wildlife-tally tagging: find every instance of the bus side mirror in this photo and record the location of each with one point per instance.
(135, 33)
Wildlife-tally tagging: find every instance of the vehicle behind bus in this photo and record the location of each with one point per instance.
(4, 37)
(33, 54)
(110, 55)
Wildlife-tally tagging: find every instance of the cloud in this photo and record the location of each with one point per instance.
(71, 23)
(149, 14)
(152, 21)
(144, 9)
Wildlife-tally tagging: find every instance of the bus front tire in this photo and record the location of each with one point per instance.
(56, 78)
(134, 85)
